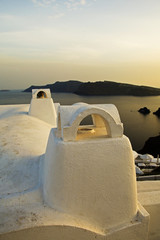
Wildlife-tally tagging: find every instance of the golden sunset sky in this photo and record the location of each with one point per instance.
(43, 41)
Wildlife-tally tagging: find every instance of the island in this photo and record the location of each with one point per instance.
(144, 110)
(106, 88)
(65, 86)
(157, 113)
(4, 90)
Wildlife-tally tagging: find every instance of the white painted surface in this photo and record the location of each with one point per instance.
(23, 214)
(149, 196)
(94, 177)
(71, 116)
(43, 108)
(23, 141)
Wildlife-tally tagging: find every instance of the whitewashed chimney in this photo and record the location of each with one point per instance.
(89, 172)
(42, 106)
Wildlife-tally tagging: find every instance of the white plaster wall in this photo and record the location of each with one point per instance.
(44, 109)
(149, 197)
(94, 179)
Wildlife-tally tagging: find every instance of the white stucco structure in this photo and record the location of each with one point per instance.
(42, 106)
(89, 172)
(23, 212)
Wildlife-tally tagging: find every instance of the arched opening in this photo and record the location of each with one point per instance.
(41, 94)
(87, 121)
(93, 126)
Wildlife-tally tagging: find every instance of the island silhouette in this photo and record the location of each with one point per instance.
(98, 88)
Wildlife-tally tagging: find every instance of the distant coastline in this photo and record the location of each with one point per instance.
(100, 88)
(151, 146)
(4, 90)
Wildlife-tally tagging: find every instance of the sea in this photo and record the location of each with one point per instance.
(137, 127)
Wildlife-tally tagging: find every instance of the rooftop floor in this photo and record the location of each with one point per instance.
(23, 141)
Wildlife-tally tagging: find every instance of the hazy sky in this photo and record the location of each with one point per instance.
(42, 41)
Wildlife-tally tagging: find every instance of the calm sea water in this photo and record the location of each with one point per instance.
(136, 126)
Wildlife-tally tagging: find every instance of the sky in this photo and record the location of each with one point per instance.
(44, 41)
